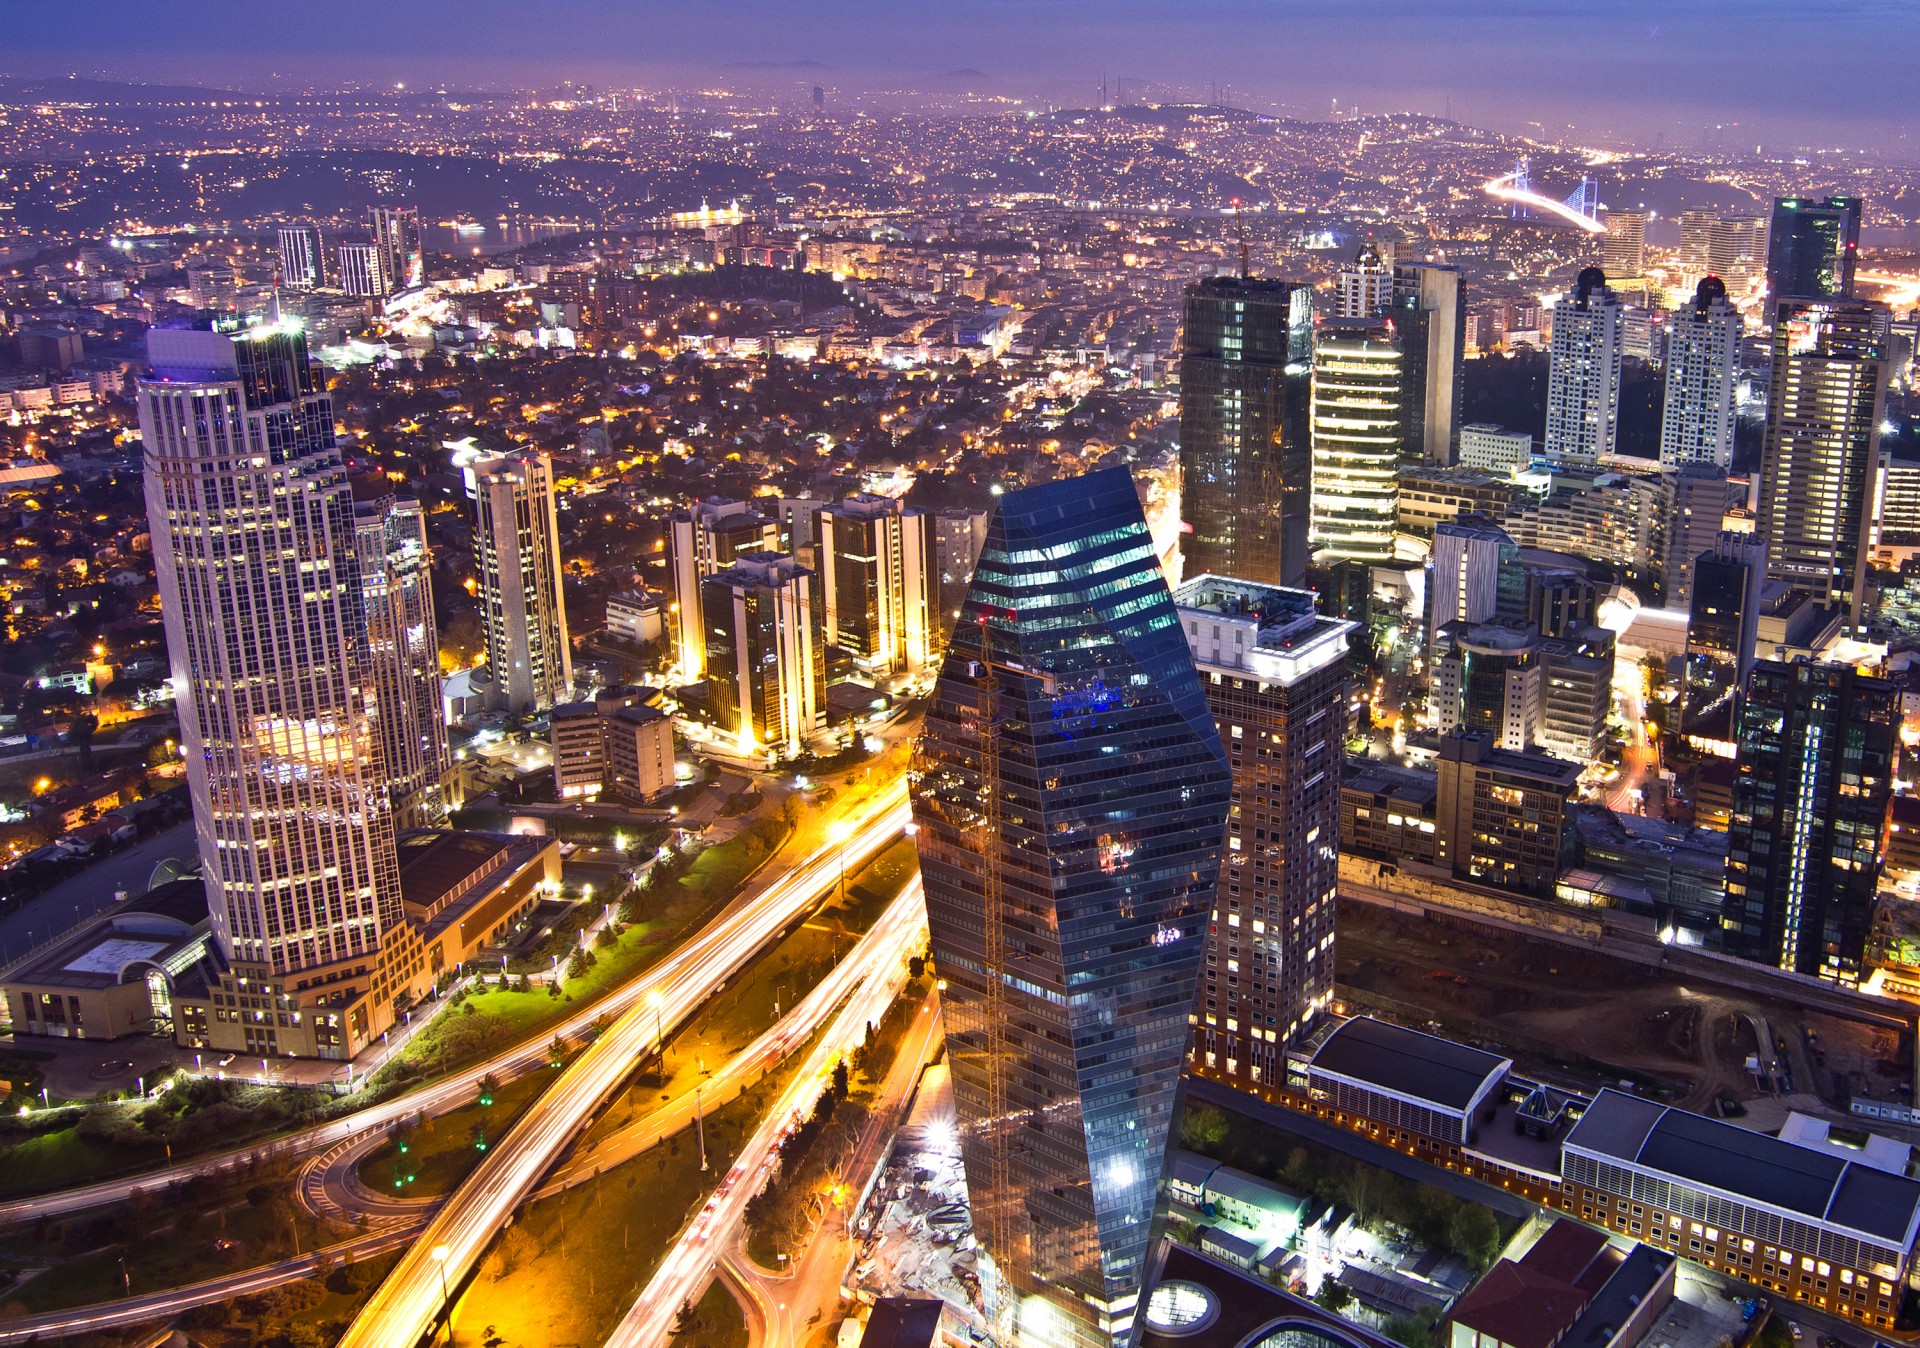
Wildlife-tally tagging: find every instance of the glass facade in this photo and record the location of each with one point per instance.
(1812, 247)
(1069, 765)
(1245, 457)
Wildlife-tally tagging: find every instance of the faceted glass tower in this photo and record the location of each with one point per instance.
(1245, 458)
(1071, 802)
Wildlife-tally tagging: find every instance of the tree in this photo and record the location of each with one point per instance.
(1474, 1234)
(1203, 1129)
(1333, 1296)
(841, 1080)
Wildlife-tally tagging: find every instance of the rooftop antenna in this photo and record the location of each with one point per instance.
(1240, 229)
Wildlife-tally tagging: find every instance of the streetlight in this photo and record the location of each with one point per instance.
(439, 1256)
(656, 1001)
(840, 834)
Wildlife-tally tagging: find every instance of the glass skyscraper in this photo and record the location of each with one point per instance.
(1071, 803)
(1245, 458)
(1812, 246)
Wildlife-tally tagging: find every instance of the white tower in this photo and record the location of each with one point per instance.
(1583, 377)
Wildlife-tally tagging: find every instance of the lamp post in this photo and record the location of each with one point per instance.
(841, 834)
(656, 1001)
(439, 1257)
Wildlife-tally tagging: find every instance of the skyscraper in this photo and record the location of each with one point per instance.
(516, 547)
(1364, 288)
(1812, 247)
(1724, 599)
(1245, 457)
(1736, 250)
(958, 536)
(1356, 420)
(1474, 562)
(876, 580)
(766, 652)
(396, 234)
(701, 541)
(1822, 447)
(1274, 671)
(1703, 348)
(1070, 816)
(1701, 495)
(1583, 373)
(1696, 241)
(1817, 750)
(1623, 250)
(1429, 311)
(303, 257)
(254, 551)
(396, 581)
(362, 270)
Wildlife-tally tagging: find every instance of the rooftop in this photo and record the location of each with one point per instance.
(1408, 1063)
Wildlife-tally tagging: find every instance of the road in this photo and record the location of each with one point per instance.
(87, 892)
(784, 1306)
(718, 948)
(684, 1275)
(404, 1308)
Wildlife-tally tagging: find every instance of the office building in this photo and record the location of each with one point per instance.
(284, 754)
(1430, 315)
(1387, 813)
(516, 548)
(1495, 449)
(1737, 251)
(1817, 750)
(702, 541)
(875, 562)
(1726, 602)
(1702, 495)
(1245, 447)
(766, 653)
(1070, 812)
(618, 743)
(1623, 248)
(1812, 247)
(214, 286)
(1364, 287)
(638, 616)
(361, 270)
(1703, 351)
(1486, 677)
(303, 257)
(1356, 427)
(1576, 693)
(396, 235)
(1821, 448)
(403, 646)
(1474, 561)
(1274, 673)
(1429, 496)
(1583, 373)
(1503, 817)
(1617, 518)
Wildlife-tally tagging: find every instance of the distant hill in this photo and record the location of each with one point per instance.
(15, 89)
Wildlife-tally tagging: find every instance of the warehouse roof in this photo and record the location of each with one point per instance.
(1409, 1063)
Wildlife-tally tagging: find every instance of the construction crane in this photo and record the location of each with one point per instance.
(1000, 1208)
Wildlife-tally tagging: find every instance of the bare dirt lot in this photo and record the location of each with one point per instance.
(1585, 1018)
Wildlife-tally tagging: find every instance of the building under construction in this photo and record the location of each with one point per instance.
(1071, 799)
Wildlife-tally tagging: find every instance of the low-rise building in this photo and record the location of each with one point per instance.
(1408, 1080)
(618, 744)
(1387, 812)
(1503, 816)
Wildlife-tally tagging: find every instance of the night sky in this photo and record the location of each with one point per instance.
(1809, 72)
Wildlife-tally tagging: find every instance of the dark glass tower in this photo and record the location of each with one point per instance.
(1816, 756)
(1071, 801)
(1812, 246)
(1245, 367)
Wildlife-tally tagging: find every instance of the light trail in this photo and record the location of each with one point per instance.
(408, 1304)
(1503, 188)
(692, 1262)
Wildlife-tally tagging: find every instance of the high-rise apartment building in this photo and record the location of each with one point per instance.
(1724, 603)
(1812, 247)
(1583, 373)
(403, 643)
(1623, 249)
(1275, 676)
(1702, 493)
(875, 562)
(766, 652)
(516, 548)
(1696, 241)
(361, 270)
(1821, 449)
(1356, 427)
(303, 257)
(1364, 287)
(1245, 446)
(1815, 762)
(701, 541)
(1070, 812)
(396, 234)
(958, 536)
(1737, 251)
(1429, 311)
(255, 552)
(1703, 358)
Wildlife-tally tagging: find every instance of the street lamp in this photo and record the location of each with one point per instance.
(656, 1001)
(439, 1256)
(840, 834)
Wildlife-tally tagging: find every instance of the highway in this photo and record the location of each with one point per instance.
(690, 1266)
(732, 936)
(402, 1311)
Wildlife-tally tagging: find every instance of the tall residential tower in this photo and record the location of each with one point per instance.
(516, 547)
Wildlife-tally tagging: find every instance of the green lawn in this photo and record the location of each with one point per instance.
(443, 1152)
(717, 1322)
(62, 1159)
(570, 1267)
